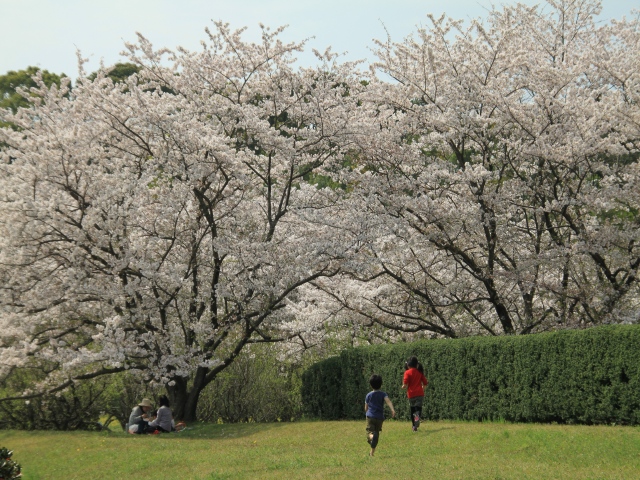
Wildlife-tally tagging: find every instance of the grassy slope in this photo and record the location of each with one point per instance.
(334, 449)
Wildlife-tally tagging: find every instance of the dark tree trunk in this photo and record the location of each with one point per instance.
(184, 397)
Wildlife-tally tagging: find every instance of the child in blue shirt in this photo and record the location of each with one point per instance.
(374, 408)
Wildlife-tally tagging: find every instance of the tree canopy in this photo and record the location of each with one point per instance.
(499, 177)
(13, 81)
(178, 234)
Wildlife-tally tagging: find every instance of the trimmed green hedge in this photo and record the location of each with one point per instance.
(580, 376)
(320, 391)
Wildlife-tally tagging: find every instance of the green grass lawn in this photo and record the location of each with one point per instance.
(334, 450)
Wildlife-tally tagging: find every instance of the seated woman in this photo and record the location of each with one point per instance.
(164, 418)
(138, 418)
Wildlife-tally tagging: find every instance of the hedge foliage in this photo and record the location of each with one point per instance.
(588, 376)
(321, 390)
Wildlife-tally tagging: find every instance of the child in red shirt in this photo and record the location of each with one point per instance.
(414, 382)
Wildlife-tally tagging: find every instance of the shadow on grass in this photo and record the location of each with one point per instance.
(199, 431)
(436, 430)
(222, 431)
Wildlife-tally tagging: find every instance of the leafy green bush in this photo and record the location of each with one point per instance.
(88, 405)
(256, 387)
(77, 408)
(9, 470)
(588, 377)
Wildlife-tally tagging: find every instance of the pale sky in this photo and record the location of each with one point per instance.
(46, 33)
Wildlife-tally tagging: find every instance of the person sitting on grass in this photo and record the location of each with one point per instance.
(374, 408)
(139, 418)
(163, 421)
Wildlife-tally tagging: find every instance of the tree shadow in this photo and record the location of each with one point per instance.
(436, 430)
(222, 431)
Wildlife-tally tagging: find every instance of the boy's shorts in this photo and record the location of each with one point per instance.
(416, 401)
(374, 424)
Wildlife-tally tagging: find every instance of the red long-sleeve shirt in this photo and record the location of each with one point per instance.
(414, 380)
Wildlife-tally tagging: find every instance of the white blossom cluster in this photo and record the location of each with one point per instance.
(498, 183)
(155, 225)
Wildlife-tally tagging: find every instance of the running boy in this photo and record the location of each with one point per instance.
(374, 408)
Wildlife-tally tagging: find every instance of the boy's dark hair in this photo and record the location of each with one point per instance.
(413, 362)
(164, 401)
(375, 381)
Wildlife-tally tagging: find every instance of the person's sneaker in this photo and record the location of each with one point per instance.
(414, 428)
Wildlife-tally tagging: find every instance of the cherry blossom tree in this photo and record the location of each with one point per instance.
(499, 179)
(156, 225)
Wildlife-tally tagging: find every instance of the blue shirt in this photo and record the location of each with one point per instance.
(375, 402)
